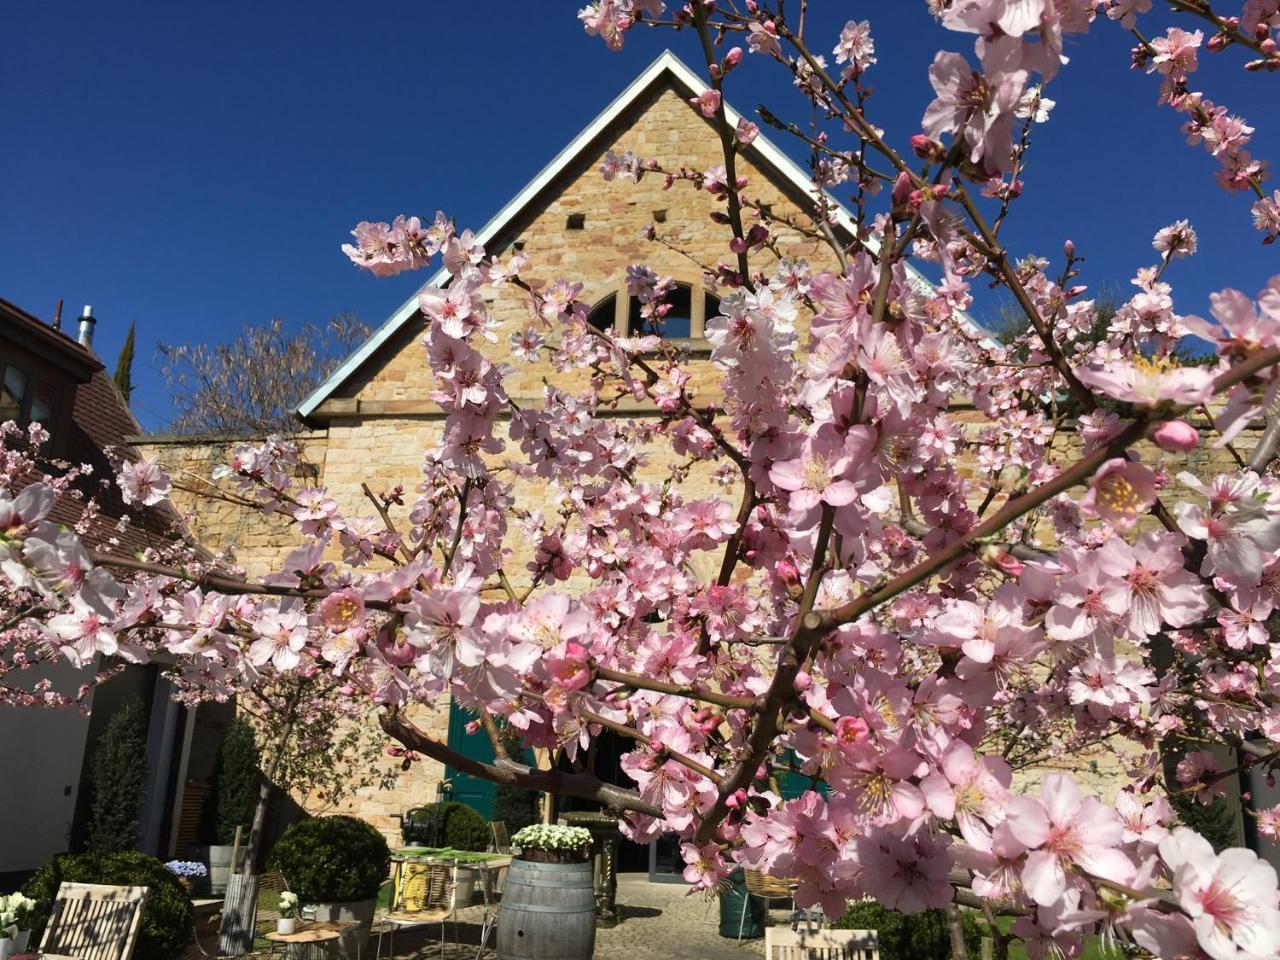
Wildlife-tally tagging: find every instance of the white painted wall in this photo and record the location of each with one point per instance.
(41, 752)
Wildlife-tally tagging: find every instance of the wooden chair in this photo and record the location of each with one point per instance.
(781, 943)
(94, 921)
(501, 839)
(766, 888)
(426, 893)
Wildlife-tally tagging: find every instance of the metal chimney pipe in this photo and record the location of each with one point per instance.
(57, 315)
(85, 332)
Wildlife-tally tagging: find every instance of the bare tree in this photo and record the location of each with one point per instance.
(252, 384)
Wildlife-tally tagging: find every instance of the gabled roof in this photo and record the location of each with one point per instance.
(763, 152)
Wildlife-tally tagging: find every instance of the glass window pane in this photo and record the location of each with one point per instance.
(679, 320)
(44, 402)
(602, 316)
(14, 392)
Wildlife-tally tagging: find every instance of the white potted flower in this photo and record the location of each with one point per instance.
(15, 924)
(288, 920)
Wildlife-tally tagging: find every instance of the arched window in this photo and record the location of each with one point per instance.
(687, 318)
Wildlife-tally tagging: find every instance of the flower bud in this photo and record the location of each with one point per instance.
(803, 682)
(1176, 436)
(1069, 250)
(1000, 559)
(927, 149)
(732, 59)
(1218, 42)
(787, 572)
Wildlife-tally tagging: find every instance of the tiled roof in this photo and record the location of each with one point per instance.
(100, 419)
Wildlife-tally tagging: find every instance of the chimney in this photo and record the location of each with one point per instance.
(57, 315)
(87, 323)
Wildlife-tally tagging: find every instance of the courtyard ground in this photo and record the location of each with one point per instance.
(659, 923)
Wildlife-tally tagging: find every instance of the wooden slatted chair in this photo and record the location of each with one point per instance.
(426, 893)
(94, 921)
(781, 943)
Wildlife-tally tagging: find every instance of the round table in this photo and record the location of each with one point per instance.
(307, 935)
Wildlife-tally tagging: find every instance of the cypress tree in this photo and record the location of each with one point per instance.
(124, 366)
(236, 777)
(119, 775)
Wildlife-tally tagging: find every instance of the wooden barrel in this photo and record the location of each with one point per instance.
(548, 912)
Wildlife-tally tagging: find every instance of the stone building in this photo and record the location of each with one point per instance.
(373, 418)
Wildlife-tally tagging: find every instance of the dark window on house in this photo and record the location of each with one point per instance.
(24, 398)
(678, 324)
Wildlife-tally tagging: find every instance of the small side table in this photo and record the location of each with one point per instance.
(311, 935)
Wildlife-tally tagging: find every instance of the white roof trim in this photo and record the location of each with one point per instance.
(667, 62)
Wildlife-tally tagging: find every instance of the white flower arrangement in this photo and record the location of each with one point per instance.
(288, 904)
(15, 913)
(546, 836)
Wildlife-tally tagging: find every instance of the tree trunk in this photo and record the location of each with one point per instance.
(959, 951)
(264, 788)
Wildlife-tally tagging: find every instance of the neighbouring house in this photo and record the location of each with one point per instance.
(373, 418)
(49, 376)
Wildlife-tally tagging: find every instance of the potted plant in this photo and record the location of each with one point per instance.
(288, 919)
(550, 896)
(337, 864)
(187, 872)
(15, 923)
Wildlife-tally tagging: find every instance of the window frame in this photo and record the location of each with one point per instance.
(696, 342)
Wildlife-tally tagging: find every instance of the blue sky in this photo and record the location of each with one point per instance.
(191, 167)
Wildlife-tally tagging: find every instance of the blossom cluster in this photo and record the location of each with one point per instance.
(939, 561)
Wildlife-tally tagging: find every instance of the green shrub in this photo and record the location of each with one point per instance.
(234, 794)
(914, 936)
(118, 776)
(166, 919)
(462, 828)
(516, 807)
(332, 859)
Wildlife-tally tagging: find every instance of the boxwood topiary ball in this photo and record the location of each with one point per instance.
(332, 859)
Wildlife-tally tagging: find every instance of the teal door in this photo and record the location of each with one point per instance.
(473, 791)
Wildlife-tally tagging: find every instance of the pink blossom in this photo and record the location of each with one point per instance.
(746, 131)
(1147, 582)
(143, 483)
(708, 102)
(960, 89)
(856, 47)
(907, 875)
(1064, 829)
(569, 665)
(1230, 897)
(1150, 382)
(281, 637)
(824, 472)
(1120, 492)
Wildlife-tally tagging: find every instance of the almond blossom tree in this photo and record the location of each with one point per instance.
(880, 621)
